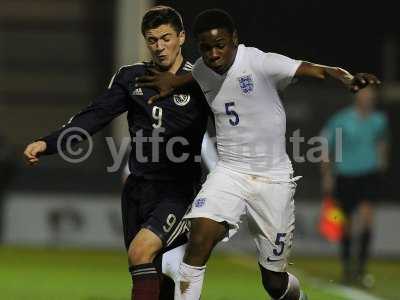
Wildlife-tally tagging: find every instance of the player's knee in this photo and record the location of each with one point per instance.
(199, 246)
(141, 253)
(205, 234)
(206, 231)
(199, 249)
(275, 283)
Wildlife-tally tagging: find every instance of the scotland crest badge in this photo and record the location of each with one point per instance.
(246, 84)
(181, 99)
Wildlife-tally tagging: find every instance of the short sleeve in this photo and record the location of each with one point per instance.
(383, 127)
(279, 69)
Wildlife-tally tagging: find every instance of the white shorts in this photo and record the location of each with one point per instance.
(267, 204)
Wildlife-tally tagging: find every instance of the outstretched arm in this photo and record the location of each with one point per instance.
(90, 120)
(165, 83)
(352, 82)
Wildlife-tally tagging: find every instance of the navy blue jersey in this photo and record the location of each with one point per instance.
(166, 136)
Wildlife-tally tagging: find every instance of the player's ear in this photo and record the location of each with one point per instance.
(182, 37)
(235, 38)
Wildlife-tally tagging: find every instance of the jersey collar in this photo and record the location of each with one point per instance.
(186, 66)
(236, 62)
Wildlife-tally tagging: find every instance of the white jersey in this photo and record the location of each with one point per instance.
(249, 117)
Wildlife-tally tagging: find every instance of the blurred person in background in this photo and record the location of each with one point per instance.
(360, 132)
(159, 189)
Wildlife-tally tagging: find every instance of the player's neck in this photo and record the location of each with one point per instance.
(177, 64)
(234, 58)
(231, 63)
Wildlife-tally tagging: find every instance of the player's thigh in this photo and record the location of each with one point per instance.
(271, 219)
(164, 206)
(130, 210)
(221, 199)
(205, 231)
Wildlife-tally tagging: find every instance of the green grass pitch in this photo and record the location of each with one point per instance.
(51, 274)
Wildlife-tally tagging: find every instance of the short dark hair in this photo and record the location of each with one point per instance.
(160, 15)
(212, 19)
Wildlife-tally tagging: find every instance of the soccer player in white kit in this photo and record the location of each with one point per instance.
(254, 176)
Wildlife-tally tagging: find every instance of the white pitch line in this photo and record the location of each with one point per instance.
(341, 290)
(351, 293)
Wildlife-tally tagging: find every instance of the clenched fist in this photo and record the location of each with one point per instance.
(33, 151)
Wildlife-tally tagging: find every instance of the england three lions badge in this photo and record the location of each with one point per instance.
(246, 84)
(181, 99)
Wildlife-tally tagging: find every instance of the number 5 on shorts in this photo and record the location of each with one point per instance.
(280, 243)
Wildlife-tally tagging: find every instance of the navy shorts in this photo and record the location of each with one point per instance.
(158, 205)
(350, 191)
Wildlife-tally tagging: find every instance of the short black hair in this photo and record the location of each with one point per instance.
(212, 19)
(160, 15)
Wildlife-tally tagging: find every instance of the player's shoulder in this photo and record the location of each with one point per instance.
(272, 57)
(259, 59)
(135, 68)
(126, 73)
(252, 51)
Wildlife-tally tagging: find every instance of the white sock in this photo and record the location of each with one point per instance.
(171, 261)
(190, 282)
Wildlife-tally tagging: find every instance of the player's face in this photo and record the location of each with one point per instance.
(164, 44)
(218, 48)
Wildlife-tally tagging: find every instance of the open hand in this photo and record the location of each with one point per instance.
(160, 81)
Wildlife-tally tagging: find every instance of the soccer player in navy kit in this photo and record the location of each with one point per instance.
(166, 146)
